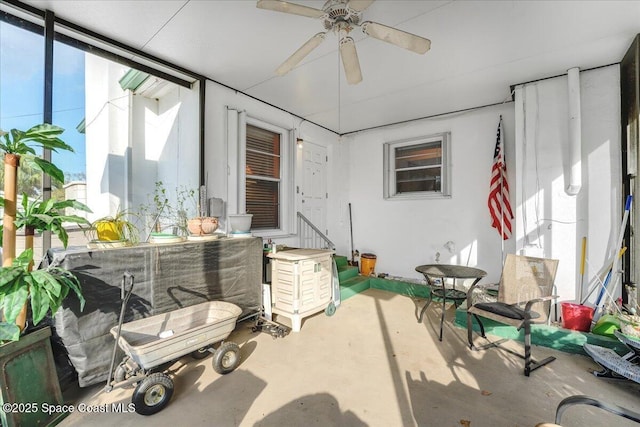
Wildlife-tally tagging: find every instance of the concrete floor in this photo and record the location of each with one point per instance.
(372, 364)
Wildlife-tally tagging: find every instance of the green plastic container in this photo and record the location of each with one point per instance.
(606, 325)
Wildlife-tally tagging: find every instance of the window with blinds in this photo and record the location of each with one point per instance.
(417, 168)
(263, 160)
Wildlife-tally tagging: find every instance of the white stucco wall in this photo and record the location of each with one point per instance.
(179, 162)
(134, 141)
(406, 233)
(555, 221)
(107, 135)
(165, 144)
(218, 171)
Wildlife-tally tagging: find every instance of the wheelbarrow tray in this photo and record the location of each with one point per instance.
(162, 338)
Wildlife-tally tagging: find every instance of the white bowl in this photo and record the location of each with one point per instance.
(240, 222)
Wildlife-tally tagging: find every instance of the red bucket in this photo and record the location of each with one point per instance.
(576, 316)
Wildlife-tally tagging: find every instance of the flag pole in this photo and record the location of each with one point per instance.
(504, 159)
(499, 190)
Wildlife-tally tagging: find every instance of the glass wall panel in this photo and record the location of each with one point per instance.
(21, 104)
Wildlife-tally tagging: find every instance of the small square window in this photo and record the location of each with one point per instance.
(417, 168)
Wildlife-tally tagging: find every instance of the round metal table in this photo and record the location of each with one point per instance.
(442, 272)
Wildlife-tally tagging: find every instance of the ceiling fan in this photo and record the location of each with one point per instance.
(341, 17)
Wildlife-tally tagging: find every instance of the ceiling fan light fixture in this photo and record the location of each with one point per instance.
(350, 60)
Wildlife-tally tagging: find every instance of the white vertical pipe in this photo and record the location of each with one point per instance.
(232, 161)
(242, 162)
(574, 183)
(520, 123)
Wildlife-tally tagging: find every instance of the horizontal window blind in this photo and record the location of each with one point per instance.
(263, 177)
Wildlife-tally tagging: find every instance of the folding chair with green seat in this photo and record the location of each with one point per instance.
(524, 298)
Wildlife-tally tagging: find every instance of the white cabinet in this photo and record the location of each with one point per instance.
(300, 283)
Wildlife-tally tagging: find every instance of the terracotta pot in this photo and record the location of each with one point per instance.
(202, 225)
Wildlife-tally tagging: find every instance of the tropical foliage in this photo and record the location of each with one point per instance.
(46, 289)
(19, 285)
(37, 216)
(44, 135)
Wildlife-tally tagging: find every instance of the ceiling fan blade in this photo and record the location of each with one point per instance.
(397, 37)
(350, 61)
(286, 7)
(360, 5)
(299, 54)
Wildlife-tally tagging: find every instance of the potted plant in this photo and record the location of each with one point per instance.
(38, 216)
(44, 289)
(162, 214)
(155, 208)
(202, 224)
(29, 375)
(115, 228)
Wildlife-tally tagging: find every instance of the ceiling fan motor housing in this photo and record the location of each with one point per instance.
(339, 12)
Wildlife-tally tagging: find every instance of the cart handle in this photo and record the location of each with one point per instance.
(126, 278)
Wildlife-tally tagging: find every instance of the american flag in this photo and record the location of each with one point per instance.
(499, 206)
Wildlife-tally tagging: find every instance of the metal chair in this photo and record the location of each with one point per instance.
(524, 298)
(586, 400)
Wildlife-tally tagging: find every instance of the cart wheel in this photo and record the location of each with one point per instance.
(200, 353)
(152, 394)
(330, 310)
(120, 374)
(226, 358)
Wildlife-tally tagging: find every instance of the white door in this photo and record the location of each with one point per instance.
(313, 188)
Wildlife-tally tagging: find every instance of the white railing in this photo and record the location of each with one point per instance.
(310, 236)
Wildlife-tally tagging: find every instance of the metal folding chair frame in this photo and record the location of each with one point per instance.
(525, 322)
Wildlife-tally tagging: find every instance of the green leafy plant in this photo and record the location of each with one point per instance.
(17, 146)
(163, 214)
(46, 289)
(37, 216)
(18, 283)
(45, 135)
(115, 227)
(157, 207)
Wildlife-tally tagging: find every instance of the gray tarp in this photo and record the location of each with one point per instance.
(167, 277)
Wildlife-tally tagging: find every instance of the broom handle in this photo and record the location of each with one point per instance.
(623, 226)
(582, 259)
(351, 230)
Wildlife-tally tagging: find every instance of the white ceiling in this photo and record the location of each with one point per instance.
(478, 49)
